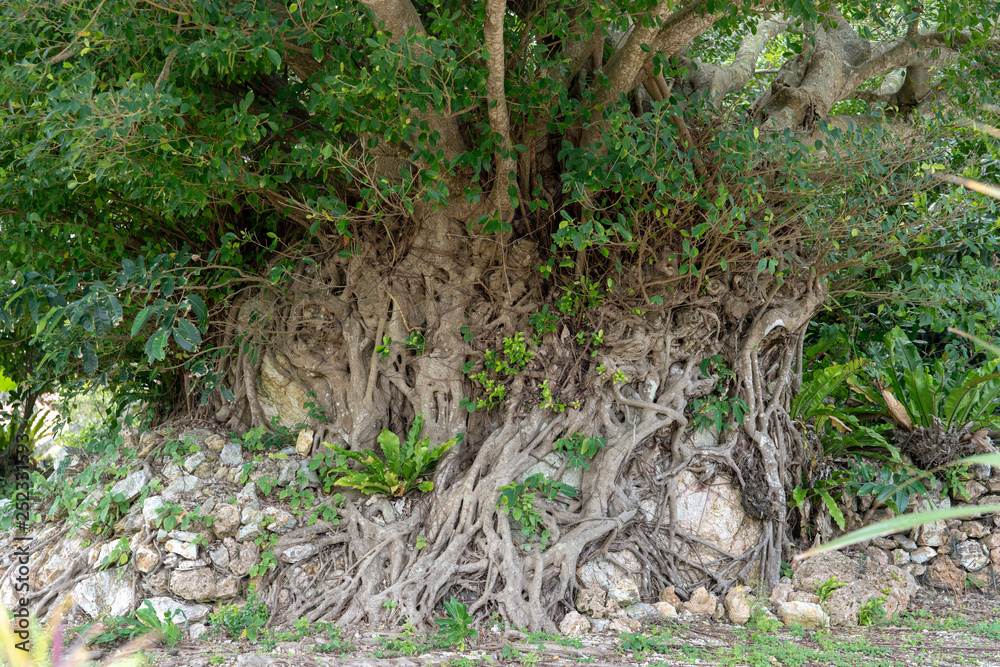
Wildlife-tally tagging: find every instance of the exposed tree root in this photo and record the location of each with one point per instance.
(322, 337)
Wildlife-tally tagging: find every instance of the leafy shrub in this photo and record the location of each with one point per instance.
(872, 611)
(404, 467)
(260, 439)
(638, 643)
(989, 629)
(35, 429)
(244, 621)
(107, 510)
(841, 430)
(27, 645)
(827, 588)
(853, 406)
(760, 621)
(518, 500)
(496, 368)
(579, 449)
(917, 393)
(894, 488)
(457, 627)
(142, 621)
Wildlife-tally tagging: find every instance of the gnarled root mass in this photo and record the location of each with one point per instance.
(632, 385)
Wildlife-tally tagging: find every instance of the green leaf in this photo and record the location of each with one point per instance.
(156, 345)
(102, 320)
(822, 385)
(389, 442)
(971, 400)
(831, 505)
(274, 56)
(89, 360)
(142, 318)
(198, 307)
(115, 307)
(6, 384)
(187, 336)
(414, 433)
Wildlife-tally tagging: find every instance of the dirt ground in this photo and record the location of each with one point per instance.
(937, 629)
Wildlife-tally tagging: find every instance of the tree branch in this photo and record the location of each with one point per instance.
(669, 33)
(71, 48)
(973, 124)
(900, 53)
(718, 81)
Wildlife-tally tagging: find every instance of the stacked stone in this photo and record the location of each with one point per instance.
(611, 603)
(946, 554)
(179, 569)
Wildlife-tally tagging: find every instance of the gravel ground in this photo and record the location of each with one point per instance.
(936, 630)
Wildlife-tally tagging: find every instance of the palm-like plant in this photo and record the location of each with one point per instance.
(939, 409)
(908, 521)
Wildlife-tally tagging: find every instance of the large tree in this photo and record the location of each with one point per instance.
(545, 225)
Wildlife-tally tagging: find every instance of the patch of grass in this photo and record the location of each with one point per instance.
(760, 621)
(336, 646)
(393, 647)
(695, 652)
(121, 629)
(765, 652)
(639, 644)
(924, 620)
(988, 629)
(541, 638)
(463, 662)
(269, 639)
(770, 650)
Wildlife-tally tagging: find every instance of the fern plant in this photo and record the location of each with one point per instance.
(840, 429)
(405, 465)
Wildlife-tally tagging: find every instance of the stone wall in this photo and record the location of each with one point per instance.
(190, 570)
(950, 555)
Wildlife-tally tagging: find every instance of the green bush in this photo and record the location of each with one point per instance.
(404, 467)
(118, 629)
(872, 611)
(458, 626)
(244, 621)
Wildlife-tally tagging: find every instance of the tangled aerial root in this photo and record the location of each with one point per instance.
(321, 338)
